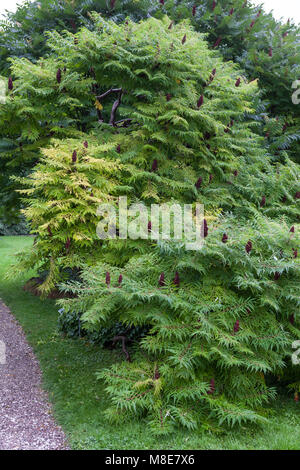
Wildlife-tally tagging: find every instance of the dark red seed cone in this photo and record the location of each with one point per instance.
(156, 374)
(248, 246)
(218, 42)
(238, 82)
(252, 24)
(235, 173)
(68, 243)
(295, 253)
(85, 144)
(225, 238)
(107, 279)
(194, 10)
(212, 389)
(154, 165)
(49, 231)
(292, 319)
(284, 128)
(211, 178)
(183, 39)
(276, 276)
(263, 201)
(112, 4)
(198, 183)
(283, 199)
(161, 281)
(200, 101)
(58, 76)
(120, 280)
(205, 228)
(297, 195)
(162, 2)
(231, 12)
(168, 97)
(236, 326)
(10, 84)
(214, 5)
(270, 52)
(258, 14)
(292, 229)
(176, 279)
(74, 157)
(214, 72)
(149, 226)
(118, 149)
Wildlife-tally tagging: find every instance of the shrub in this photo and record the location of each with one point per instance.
(233, 312)
(182, 111)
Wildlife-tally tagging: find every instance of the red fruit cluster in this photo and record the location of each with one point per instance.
(236, 327)
(198, 183)
(154, 165)
(248, 246)
(263, 201)
(225, 238)
(161, 281)
(218, 42)
(58, 76)
(212, 389)
(176, 279)
(200, 101)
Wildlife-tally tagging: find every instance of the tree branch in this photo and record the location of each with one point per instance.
(123, 339)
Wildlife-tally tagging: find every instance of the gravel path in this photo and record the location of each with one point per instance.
(26, 421)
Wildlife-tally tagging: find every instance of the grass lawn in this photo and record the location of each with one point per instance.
(78, 399)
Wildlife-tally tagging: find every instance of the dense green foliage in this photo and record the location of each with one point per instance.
(232, 312)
